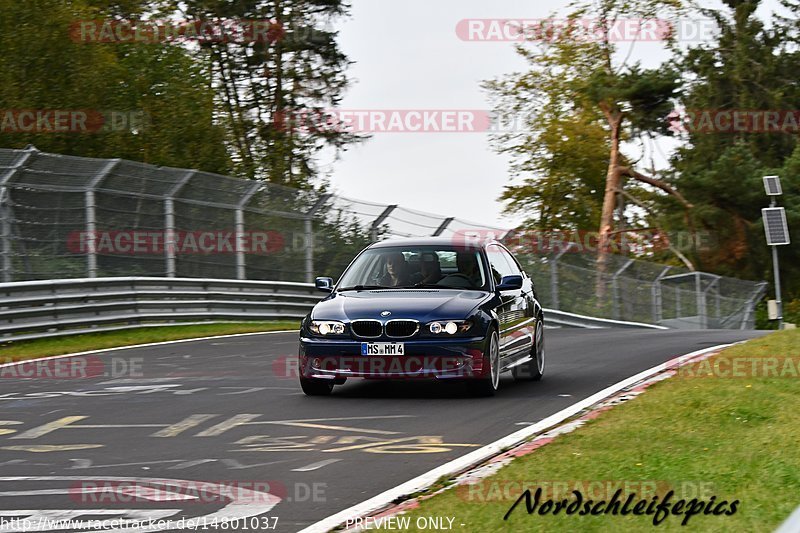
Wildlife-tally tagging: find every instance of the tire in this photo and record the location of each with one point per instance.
(316, 387)
(488, 385)
(533, 370)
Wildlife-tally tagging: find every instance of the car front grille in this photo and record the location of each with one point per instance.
(367, 328)
(399, 329)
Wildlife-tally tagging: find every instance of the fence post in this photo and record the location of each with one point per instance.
(554, 276)
(443, 226)
(5, 213)
(309, 235)
(5, 234)
(169, 222)
(238, 216)
(91, 217)
(700, 298)
(655, 297)
(373, 231)
(615, 289)
(750, 308)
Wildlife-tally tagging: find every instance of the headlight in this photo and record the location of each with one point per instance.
(449, 327)
(326, 327)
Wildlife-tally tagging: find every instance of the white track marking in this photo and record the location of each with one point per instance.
(179, 341)
(315, 466)
(456, 466)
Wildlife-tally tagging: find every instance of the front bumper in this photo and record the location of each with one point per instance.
(456, 358)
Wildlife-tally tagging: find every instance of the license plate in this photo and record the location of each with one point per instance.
(383, 348)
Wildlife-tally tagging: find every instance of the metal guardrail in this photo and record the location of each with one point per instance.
(37, 309)
(572, 320)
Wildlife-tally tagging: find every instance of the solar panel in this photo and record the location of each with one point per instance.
(772, 184)
(775, 226)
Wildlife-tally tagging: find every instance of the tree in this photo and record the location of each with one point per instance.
(160, 87)
(584, 95)
(748, 67)
(264, 83)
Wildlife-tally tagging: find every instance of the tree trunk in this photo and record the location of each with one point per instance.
(609, 203)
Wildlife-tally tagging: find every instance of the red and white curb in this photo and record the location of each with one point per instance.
(485, 461)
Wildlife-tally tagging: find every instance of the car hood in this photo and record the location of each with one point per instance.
(420, 304)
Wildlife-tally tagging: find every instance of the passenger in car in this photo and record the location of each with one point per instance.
(397, 271)
(430, 270)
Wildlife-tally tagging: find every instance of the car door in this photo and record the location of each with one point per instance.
(513, 312)
(526, 305)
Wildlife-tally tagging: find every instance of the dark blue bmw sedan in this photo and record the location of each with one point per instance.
(425, 308)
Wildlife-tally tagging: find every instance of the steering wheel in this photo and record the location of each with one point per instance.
(454, 276)
(457, 274)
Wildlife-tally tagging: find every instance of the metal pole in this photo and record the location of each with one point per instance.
(700, 298)
(240, 237)
(5, 213)
(615, 289)
(240, 243)
(91, 234)
(169, 236)
(777, 273)
(442, 227)
(750, 308)
(656, 302)
(309, 235)
(309, 242)
(554, 275)
(169, 223)
(91, 217)
(378, 221)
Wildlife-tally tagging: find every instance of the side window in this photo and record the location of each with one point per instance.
(499, 263)
(515, 269)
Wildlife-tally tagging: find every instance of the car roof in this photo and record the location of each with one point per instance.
(426, 241)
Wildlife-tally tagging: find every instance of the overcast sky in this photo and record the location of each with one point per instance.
(408, 56)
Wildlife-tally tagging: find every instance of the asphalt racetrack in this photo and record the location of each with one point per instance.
(228, 412)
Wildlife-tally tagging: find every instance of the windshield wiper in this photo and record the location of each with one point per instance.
(422, 286)
(363, 288)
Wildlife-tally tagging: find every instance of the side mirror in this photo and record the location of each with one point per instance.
(510, 283)
(324, 284)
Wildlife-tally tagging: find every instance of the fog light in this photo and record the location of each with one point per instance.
(451, 328)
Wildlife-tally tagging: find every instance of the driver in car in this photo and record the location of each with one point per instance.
(397, 273)
(468, 267)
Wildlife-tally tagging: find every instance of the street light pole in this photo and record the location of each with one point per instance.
(776, 272)
(777, 234)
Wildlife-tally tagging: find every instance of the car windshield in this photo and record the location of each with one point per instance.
(416, 267)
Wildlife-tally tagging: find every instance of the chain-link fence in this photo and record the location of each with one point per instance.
(73, 217)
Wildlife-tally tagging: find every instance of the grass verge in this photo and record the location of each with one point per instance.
(21, 350)
(714, 429)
